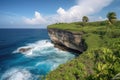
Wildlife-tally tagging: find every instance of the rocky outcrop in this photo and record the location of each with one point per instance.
(66, 39)
(24, 49)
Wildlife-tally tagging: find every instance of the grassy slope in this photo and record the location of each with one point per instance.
(95, 37)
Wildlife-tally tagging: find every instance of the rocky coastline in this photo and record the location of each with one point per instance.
(67, 40)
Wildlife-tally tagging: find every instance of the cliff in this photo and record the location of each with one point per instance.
(101, 56)
(67, 40)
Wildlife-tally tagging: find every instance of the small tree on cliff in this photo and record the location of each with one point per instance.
(112, 17)
(85, 20)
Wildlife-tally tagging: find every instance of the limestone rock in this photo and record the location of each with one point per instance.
(67, 39)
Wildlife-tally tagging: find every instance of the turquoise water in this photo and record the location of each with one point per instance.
(42, 58)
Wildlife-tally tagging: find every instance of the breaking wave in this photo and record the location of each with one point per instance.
(17, 74)
(41, 58)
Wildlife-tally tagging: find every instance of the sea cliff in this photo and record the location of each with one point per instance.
(101, 59)
(67, 40)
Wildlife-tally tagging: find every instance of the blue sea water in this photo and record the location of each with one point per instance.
(42, 58)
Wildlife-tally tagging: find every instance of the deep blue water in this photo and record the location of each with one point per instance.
(39, 60)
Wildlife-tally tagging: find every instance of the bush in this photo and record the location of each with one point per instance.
(106, 63)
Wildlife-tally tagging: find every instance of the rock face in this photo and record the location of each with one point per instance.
(70, 40)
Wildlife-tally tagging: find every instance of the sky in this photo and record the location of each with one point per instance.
(40, 13)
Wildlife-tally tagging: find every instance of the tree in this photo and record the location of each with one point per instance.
(85, 19)
(112, 17)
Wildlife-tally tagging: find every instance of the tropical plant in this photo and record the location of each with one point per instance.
(106, 64)
(85, 19)
(112, 17)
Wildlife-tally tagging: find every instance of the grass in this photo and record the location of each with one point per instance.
(65, 26)
(77, 27)
(93, 40)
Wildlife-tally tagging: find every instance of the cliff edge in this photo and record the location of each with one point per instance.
(67, 40)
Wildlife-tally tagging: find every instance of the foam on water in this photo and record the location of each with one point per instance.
(40, 59)
(17, 74)
(41, 46)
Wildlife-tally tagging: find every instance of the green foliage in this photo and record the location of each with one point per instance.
(92, 40)
(117, 24)
(97, 23)
(101, 61)
(116, 77)
(112, 17)
(78, 26)
(85, 19)
(71, 71)
(106, 63)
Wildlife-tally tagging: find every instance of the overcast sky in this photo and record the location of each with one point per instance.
(40, 13)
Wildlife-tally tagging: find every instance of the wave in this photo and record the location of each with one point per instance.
(41, 58)
(17, 74)
(42, 46)
(46, 53)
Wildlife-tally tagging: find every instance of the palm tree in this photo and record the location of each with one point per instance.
(111, 17)
(85, 19)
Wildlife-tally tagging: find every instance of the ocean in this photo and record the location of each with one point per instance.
(42, 57)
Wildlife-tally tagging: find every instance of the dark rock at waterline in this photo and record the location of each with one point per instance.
(64, 48)
(24, 49)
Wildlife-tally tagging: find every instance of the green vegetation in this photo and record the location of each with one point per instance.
(85, 20)
(111, 17)
(101, 61)
(78, 26)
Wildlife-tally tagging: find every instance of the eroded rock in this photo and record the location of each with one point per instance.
(71, 40)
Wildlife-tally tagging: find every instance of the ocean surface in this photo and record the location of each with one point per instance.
(42, 58)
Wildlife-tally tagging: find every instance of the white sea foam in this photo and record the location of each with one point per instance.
(45, 58)
(17, 74)
(39, 46)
